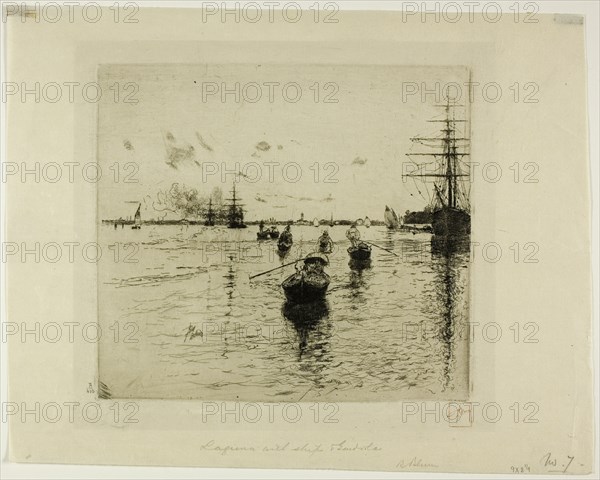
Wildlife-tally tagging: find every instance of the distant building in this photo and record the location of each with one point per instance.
(302, 221)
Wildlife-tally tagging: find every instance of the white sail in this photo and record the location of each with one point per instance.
(367, 222)
(138, 216)
(316, 222)
(390, 217)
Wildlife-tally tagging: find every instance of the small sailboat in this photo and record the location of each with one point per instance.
(367, 222)
(391, 219)
(316, 222)
(331, 224)
(137, 220)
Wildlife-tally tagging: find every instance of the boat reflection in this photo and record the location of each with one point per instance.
(447, 246)
(229, 285)
(450, 258)
(359, 265)
(311, 322)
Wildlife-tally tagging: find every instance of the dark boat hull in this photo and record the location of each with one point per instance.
(263, 235)
(450, 222)
(361, 252)
(274, 235)
(301, 288)
(326, 248)
(285, 243)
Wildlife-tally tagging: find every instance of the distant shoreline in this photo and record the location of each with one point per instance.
(374, 223)
(224, 224)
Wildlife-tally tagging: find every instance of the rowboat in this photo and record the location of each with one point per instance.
(273, 232)
(264, 235)
(285, 242)
(362, 251)
(310, 283)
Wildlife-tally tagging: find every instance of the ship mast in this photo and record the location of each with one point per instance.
(236, 214)
(210, 214)
(450, 155)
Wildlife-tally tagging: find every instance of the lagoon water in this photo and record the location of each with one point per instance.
(192, 325)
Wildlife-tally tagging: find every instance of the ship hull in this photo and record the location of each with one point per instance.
(451, 222)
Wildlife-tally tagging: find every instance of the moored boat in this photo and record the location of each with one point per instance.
(451, 206)
(309, 283)
(285, 241)
(361, 251)
(273, 232)
(264, 235)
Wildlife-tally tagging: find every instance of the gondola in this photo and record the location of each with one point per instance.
(285, 243)
(310, 283)
(360, 252)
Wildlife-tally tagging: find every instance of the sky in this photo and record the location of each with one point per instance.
(315, 139)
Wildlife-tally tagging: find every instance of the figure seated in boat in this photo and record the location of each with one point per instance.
(273, 232)
(325, 243)
(310, 281)
(314, 264)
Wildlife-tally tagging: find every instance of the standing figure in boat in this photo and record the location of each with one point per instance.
(262, 234)
(286, 239)
(358, 250)
(325, 243)
(353, 235)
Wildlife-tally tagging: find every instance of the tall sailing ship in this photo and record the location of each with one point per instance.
(235, 211)
(210, 214)
(451, 205)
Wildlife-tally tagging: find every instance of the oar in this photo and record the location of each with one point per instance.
(277, 268)
(389, 251)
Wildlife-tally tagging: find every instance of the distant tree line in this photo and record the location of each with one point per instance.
(425, 216)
